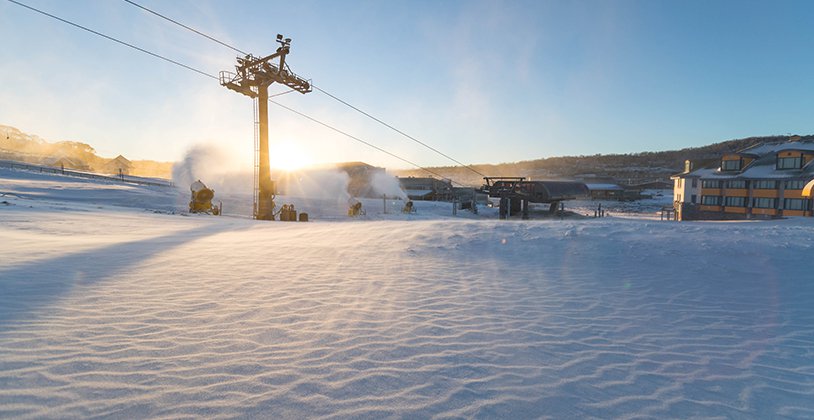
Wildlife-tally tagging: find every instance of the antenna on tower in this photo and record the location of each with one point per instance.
(252, 78)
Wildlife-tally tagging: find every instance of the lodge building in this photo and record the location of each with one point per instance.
(763, 181)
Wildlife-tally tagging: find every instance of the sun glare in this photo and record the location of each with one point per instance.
(288, 156)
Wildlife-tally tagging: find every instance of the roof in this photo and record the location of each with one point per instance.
(422, 181)
(743, 154)
(539, 191)
(775, 147)
(596, 187)
(564, 189)
(764, 166)
(64, 159)
(343, 165)
(418, 178)
(120, 159)
(651, 185)
(418, 193)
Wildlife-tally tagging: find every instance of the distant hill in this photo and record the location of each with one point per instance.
(632, 168)
(19, 146)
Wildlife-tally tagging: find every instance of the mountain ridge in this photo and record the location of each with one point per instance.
(629, 168)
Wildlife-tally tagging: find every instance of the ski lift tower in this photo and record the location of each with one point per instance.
(252, 78)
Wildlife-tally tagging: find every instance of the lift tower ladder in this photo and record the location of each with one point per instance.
(252, 78)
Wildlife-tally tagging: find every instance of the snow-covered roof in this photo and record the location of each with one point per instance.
(764, 167)
(765, 148)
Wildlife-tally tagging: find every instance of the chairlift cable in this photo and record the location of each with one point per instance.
(334, 97)
(362, 141)
(201, 72)
(186, 27)
(114, 39)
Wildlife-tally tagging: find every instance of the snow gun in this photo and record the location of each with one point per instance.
(201, 201)
(355, 210)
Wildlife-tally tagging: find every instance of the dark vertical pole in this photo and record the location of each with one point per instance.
(525, 209)
(781, 202)
(265, 203)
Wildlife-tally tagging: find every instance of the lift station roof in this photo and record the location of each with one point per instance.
(536, 191)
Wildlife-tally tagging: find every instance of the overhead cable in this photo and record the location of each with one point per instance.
(114, 39)
(216, 78)
(334, 97)
(398, 131)
(360, 140)
(186, 27)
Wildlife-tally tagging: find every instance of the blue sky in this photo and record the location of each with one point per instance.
(483, 81)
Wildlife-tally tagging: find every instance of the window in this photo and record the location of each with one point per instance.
(795, 204)
(735, 202)
(790, 162)
(764, 203)
(693, 199)
(764, 184)
(731, 165)
(711, 200)
(695, 182)
(710, 183)
(795, 185)
(736, 183)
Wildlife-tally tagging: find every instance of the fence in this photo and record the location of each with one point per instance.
(49, 170)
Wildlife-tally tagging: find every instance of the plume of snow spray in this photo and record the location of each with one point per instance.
(213, 166)
(320, 185)
(198, 163)
(387, 184)
(322, 193)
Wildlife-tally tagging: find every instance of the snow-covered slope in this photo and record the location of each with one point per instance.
(120, 312)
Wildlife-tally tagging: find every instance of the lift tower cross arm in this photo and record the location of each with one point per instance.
(252, 78)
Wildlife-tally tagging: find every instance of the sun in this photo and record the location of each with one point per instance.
(288, 156)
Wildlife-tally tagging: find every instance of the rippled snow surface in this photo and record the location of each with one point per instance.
(131, 314)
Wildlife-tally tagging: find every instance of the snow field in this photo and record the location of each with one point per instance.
(126, 313)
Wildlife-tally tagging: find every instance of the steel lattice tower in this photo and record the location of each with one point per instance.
(252, 78)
